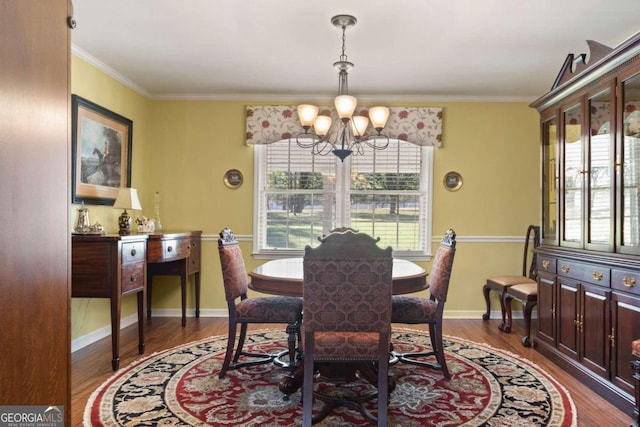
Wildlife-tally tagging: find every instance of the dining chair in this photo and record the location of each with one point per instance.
(244, 310)
(418, 310)
(501, 283)
(347, 289)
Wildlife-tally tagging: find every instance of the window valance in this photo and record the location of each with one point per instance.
(418, 125)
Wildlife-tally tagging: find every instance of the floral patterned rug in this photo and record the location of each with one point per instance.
(180, 387)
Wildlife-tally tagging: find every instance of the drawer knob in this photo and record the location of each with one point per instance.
(629, 282)
(565, 268)
(597, 276)
(132, 278)
(133, 252)
(169, 248)
(545, 264)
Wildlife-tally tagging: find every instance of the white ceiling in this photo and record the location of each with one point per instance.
(402, 49)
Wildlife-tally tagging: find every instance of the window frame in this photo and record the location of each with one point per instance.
(342, 211)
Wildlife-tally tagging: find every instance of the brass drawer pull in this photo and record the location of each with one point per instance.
(565, 268)
(629, 282)
(545, 264)
(597, 276)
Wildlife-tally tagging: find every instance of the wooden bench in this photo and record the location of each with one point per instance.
(527, 294)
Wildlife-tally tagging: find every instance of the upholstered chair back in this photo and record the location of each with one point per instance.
(234, 272)
(441, 268)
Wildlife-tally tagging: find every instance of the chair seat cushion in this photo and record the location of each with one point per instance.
(278, 309)
(345, 346)
(508, 280)
(635, 347)
(412, 310)
(525, 291)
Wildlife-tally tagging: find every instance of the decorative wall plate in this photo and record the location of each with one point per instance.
(452, 181)
(233, 178)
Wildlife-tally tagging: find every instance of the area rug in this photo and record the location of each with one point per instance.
(180, 387)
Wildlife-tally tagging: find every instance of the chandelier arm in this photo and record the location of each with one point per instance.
(307, 139)
(377, 142)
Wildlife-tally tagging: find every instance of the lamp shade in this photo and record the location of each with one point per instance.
(322, 125)
(307, 114)
(127, 199)
(378, 116)
(359, 125)
(345, 105)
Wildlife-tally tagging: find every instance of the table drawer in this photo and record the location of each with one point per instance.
(626, 281)
(546, 264)
(132, 277)
(168, 249)
(588, 273)
(133, 252)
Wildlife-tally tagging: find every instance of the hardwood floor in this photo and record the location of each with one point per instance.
(91, 366)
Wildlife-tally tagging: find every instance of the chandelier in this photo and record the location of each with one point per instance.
(351, 135)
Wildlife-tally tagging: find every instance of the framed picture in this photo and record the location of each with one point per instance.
(101, 152)
(452, 181)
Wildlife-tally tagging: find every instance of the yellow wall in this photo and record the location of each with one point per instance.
(182, 149)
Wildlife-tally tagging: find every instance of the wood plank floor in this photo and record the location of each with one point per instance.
(91, 366)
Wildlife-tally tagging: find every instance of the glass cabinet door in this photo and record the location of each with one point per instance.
(600, 177)
(550, 181)
(630, 170)
(572, 177)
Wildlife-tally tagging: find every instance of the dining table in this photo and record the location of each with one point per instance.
(284, 276)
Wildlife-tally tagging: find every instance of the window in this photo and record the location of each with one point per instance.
(300, 196)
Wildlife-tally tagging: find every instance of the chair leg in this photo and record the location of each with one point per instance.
(485, 292)
(383, 391)
(528, 308)
(230, 344)
(243, 335)
(307, 389)
(435, 330)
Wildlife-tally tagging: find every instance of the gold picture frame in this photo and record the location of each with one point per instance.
(233, 178)
(452, 181)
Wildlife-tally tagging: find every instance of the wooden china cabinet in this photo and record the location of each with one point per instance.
(589, 257)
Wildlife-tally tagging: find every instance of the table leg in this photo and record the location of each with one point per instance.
(115, 332)
(140, 295)
(149, 280)
(197, 289)
(183, 295)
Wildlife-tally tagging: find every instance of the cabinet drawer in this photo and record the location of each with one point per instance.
(595, 274)
(547, 265)
(132, 277)
(133, 252)
(626, 281)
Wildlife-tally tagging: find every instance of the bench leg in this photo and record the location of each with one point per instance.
(528, 308)
(485, 292)
(505, 305)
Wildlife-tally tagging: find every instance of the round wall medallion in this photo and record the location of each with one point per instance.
(452, 181)
(233, 178)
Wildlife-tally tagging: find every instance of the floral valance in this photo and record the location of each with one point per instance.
(418, 125)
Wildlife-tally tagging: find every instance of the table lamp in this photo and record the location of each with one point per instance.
(127, 199)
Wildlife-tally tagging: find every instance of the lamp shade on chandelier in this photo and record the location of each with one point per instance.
(352, 133)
